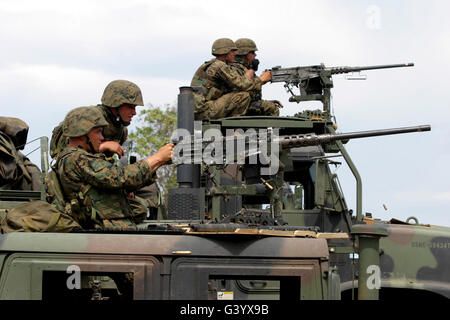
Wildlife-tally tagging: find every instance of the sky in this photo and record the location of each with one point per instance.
(57, 55)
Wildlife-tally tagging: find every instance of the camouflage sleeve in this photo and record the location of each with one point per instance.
(233, 79)
(100, 173)
(255, 93)
(238, 68)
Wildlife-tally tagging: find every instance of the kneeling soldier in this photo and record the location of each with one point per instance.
(219, 90)
(245, 61)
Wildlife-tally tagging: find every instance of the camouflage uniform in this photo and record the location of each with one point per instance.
(97, 189)
(114, 131)
(240, 65)
(117, 93)
(16, 171)
(257, 105)
(94, 188)
(220, 91)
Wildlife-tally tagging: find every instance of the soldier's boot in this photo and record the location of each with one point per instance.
(263, 108)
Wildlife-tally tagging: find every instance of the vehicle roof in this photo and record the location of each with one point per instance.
(162, 244)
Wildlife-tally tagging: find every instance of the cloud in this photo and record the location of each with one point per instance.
(43, 94)
(420, 197)
(445, 196)
(108, 34)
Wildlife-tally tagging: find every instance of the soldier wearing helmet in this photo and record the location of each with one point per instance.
(119, 101)
(219, 90)
(245, 63)
(94, 188)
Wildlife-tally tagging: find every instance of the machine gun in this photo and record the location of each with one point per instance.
(270, 179)
(315, 82)
(239, 147)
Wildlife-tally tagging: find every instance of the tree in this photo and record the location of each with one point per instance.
(155, 125)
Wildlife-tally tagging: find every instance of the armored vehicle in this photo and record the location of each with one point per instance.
(257, 214)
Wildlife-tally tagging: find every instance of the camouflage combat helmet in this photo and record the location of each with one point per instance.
(245, 45)
(118, 92)
(223, 46)
(80, 121)
(16, 129)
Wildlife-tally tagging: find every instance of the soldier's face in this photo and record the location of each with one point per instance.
(127, 112)
(230, 56)
(250, 56)
(96, 137)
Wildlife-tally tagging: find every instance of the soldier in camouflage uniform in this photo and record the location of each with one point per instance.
(244, 62)
(96, 191)
(17, 172)
(118, 107)
(219, 90)
(119, 101)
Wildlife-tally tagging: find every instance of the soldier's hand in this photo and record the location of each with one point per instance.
(277, 103)
(254, 64)
(161, 157)
(266, 76)
(111, 146)
(166, 152)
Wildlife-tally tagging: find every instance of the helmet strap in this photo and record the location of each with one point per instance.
(118, 118)
(89, 143)
(124, 123)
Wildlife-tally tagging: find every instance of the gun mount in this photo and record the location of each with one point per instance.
(315, 82)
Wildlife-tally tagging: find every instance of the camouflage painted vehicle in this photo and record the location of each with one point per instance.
(414, 260)
(236, 232)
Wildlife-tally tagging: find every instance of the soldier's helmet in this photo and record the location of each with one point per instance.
(80, 121)
(16, 129)
(223, 46)
(118, 92)
(245, 45)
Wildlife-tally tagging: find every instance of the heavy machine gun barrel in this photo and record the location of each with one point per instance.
(313, 139)
(315, 82)
(339, 70)
(297, 74)
(192, 146)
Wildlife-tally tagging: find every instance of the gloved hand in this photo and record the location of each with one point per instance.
(254, 64)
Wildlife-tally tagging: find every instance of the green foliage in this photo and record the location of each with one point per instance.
(155, 125)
